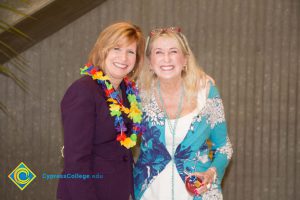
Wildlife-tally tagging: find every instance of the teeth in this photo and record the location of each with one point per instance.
(120, 65)
(167, 67)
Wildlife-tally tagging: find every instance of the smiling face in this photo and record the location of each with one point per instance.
(167, 59)
(120, 61)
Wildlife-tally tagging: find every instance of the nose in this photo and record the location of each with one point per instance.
(166, 57)
(123, 56)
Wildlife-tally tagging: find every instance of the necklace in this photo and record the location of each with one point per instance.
(116, 105)
(119, 91)
(172, 128)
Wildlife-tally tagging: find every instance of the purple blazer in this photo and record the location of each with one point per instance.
(90, 146)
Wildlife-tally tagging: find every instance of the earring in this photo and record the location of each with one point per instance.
(151, 70)
(185, 68)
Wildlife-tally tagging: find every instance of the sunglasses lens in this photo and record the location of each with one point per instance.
(156, 31)
(173, 29)
(165, 30)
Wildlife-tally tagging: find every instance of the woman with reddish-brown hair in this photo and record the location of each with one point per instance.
(101, 117)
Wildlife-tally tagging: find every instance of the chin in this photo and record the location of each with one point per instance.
(121, 75)
(169, 77)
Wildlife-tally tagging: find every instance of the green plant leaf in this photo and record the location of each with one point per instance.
(3, 108)
(26, 1)
(9, 48)
(6, 27)
(21, 83)
(12, 9)
(18, 62)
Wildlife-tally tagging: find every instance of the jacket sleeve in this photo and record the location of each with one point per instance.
(78, 116)
(221, 145)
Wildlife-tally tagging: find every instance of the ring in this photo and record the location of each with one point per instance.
(208, 186)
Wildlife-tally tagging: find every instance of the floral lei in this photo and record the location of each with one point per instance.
(116, 106)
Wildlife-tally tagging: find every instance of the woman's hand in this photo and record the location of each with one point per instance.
(207, 178)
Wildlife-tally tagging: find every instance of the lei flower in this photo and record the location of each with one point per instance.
(116, 106)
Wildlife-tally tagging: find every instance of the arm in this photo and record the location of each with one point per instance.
(221, 144)
(78, 115)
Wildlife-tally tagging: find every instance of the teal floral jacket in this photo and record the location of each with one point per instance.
(193, 152)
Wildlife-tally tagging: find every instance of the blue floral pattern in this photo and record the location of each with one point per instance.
(193, 152)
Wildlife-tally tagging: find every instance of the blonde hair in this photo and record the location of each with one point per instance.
(194, 78)
(113, 36)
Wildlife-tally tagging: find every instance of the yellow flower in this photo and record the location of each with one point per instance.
(125, 110)
(112, 100)
(135, 113)
(115, 110)
(99, 76)
(128, 143)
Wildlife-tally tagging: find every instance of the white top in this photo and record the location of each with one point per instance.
(161, 187)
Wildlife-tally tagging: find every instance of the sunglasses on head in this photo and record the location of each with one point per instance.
(165, 30)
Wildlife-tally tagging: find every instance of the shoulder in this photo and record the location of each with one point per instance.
(84, 85)
(213, 91)
(208, 88)
(85, 82)
(83, 88)
(205, 86)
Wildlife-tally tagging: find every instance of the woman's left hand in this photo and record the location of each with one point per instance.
(207, 178)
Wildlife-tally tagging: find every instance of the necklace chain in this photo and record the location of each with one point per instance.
(172, 128)
(119, 93)
(179, 109)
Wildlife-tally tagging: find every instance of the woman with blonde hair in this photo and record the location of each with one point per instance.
(101, 117)
(185, 124)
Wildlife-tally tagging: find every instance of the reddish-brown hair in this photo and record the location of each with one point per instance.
(115, 35)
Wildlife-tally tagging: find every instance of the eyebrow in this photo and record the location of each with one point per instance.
(172, 48)
(120, 46)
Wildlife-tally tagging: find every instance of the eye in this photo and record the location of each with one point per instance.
(131, 52)
(174, 51)
(116, 48)
(158, 52)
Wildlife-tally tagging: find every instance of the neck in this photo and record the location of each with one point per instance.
(170, 87)
(115, 82)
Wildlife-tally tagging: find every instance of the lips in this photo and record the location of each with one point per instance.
(120, 65)
(167, 67)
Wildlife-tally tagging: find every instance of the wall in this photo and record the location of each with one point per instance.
(250, 47)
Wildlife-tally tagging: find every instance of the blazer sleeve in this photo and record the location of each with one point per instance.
(78, 116)
(221, 144)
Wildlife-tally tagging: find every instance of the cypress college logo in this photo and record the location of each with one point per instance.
(21, 176)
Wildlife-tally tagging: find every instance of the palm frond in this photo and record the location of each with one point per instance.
(19, 62)
(26, 1)
(20, 82)
(12, 9)
(14, 52)
(3, 108)
(7, 27)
